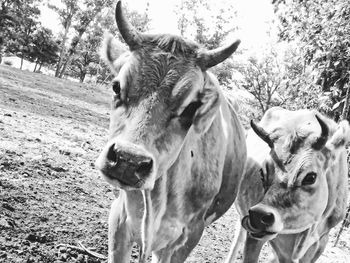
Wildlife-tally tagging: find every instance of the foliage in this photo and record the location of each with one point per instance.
(323, 29)
(86, 58)
(277, 78)
(140, 21)
(85, 16)
(106, 22)
(17, 23)
(208, 23)
(45, 47)
(66, 14)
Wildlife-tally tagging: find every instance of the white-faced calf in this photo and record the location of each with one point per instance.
(295, 186)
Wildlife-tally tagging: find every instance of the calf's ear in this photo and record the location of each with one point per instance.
(210, 101)
(341, 136)
(113, 52)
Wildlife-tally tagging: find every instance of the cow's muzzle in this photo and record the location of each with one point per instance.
(129, 164)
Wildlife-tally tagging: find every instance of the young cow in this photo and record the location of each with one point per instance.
(295, 186)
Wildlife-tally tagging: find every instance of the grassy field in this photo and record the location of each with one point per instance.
(51, 196)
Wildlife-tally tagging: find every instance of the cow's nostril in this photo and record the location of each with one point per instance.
(145, 167)
(268, 219)
(111, 155)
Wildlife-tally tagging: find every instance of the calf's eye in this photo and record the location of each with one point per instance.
(309, 179)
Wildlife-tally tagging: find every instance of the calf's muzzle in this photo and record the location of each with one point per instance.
(261, 219)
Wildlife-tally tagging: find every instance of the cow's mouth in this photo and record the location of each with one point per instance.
(127, 179)
(256, 233)
(129, 183)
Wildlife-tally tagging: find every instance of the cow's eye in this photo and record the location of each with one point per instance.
(187, 115)
(309, 179)
(117, 98)
(116, 87)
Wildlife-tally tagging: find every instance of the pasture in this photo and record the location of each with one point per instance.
(52, 197)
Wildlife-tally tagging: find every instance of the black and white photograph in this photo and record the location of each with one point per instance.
(172, 131)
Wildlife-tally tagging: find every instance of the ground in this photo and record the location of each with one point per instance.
(52, 197)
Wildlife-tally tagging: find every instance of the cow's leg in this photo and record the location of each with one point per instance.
(192, 237)
(162, 256)
(119, 234)
(252, 248)
(239, 237)
(165, 255)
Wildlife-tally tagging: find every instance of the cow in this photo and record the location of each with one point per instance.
(295, 186)
(176, 148)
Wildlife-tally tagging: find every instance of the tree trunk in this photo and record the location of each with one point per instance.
(71, 52)
(345, 113)
(82, 77)
(63, 47)
(36, 64)
(21, 62)
(40, 65)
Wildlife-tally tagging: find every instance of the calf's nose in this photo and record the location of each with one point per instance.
(260, 218)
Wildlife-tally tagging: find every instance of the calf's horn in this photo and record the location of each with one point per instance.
(266, 138)
(208, 59)
(262, 133)
(322, 140)
(131, 36)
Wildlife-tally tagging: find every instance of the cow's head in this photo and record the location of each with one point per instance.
(162, 92)
(300, 176)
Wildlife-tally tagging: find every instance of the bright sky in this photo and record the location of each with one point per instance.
(253, 17)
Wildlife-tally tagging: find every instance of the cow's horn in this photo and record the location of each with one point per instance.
(322, 140)
(131, 36)
(208, 59)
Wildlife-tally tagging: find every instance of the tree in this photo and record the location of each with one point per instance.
(7, 20)
(45, 48)
(86, 59)
(277, 80)
(66, 14)
(323, 29)
(18, 21)
(106, 22)
(208, 23)
(84, 19)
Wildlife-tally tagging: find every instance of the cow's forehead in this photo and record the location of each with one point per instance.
(152, 70)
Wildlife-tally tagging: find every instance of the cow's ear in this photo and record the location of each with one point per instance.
(341, 136)
(113, 53)
(210, 101)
